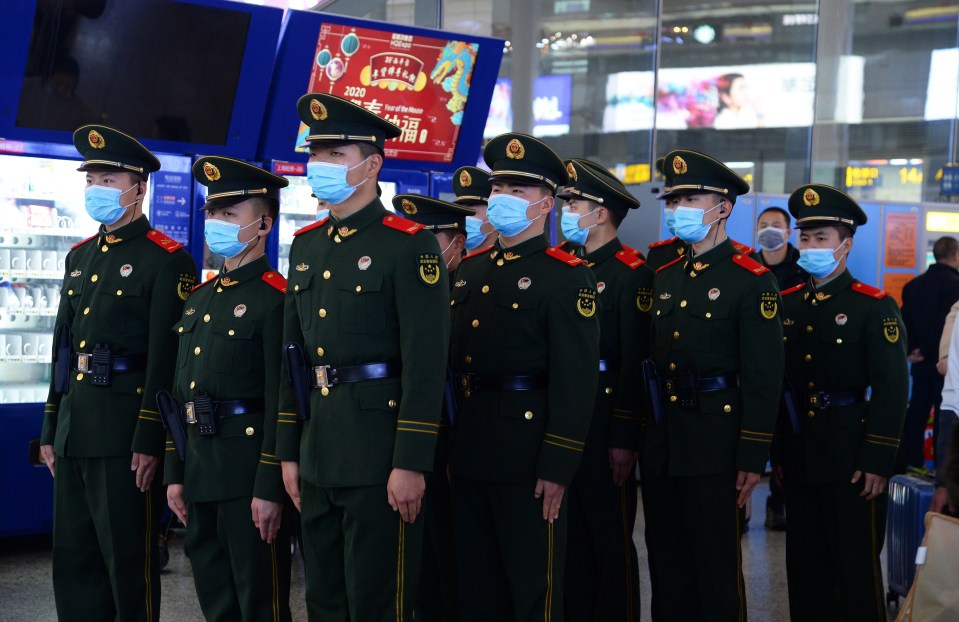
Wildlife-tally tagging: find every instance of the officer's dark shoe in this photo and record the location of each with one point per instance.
(775, 517)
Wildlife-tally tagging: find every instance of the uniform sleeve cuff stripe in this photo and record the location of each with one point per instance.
(433, 425)
(433, 432)
(149, 418)
(563, 438)
(896, 445)
(563, 446)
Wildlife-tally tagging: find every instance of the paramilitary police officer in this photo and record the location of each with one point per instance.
(602, 571)
(843, 338)
(716, 345)
(102, 436)
(472, 188)
(438, 596)
(227, 379)
(368, 301)
(525, 355)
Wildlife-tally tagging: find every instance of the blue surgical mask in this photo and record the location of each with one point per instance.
(569, 223)
(103, 204)
(223, 237)
(819, 262)
(507, 214)
(689, 224)
(669, 215)
(321, 214)
(328, 181)
(474, 233)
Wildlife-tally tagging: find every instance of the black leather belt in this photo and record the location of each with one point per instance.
(227, 408)
(823, 400)
(702, 385)
(606, 365)
(472, 382)
(83, 363)
(327, 376)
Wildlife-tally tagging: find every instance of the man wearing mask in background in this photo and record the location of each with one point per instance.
(525, 357)
(602, 571)
(472, 188)
(227, 487)
(438, 599)
(102, 437)
(368, 301)
(781, 257)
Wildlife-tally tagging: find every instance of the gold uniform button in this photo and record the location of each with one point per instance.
(811, 414)
(119, 292)
(231, 332)
(727, 408)
(682, 304)
(658, 311)
(69, 292)
(193, 384)
(391, 403)
(839, 340)
(807, 358)
(296, 287)
(94, 278)
(708, 315)
(359, 288)
(79, 377)
(485, 289)
(515, 305)
(609, 390)
(499, 262)
(83, 343)
(811, 385)
(672, 367)
(320, 351)
(693, 275)
(249, 431)
(219, 289)
(206, 318)
(326, 274)
(673, 398)
(475, 323)
(322, 312)
(528, 415)
(814, 303)
(139, 390)
(466, 394)
(676, 335)
(197, 351)
(179, 330)
(809, 329)
(324, 391)
(104, 248)
(468, 359)
(86, 311)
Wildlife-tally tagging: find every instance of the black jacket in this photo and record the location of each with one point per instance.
(926, 301)
(787, 273)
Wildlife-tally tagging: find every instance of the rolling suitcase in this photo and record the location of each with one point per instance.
(909, 500)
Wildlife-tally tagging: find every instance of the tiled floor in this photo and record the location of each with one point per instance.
(26, 592)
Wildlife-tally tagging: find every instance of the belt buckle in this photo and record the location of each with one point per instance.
(190, 411)
(321, 377)
(83, 363)
(819, 400)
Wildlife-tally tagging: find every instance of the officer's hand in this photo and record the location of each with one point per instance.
(146, 466)
(267, 516)
(943, 365)
(49, 458)
(940, 500)
(745, 482)
(404, 491)
(552, 495)
(915, 356)
(174, 499)
(291, 480)
(874, 485)
(622, 462)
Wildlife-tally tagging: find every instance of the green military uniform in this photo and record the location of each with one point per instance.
(716, 335)
(438, 598)
(471, 185)
(842, 338)
(230, 347)
(524, 353)
(122, 290)
(602, 570)
(367, 296)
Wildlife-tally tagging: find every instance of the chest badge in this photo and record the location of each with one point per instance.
(126, 270)
(841, 319)
(302, 267)
(239, 310)
(189, 311)
(665, 296)
(75, 273)
(713, 294)
(788, 322)
(524, 282)
(601, 286)
(459, 283)
(364, 263)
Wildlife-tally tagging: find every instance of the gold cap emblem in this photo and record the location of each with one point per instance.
(572, 171)
(679, 166)
(318, 110)
(810, 197)
(465, 179)
(212, 173)
(95, 139)
(515, 150)
(408, 206)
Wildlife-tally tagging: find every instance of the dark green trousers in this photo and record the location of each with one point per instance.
(105, 562)
(511, 561)
(237, 575)
(602, 569)
(361, 560)
(692, 534)
(438, 598)
(833, 542)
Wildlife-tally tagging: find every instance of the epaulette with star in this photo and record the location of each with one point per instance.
(402, 224)
(630, 259)
(869, 290)
(748, 263)
(310, 227)
(275, 280)
(82, 242)
(477, 252)
(793, 289)
(673, 262)
(163, 241)
(563, 256)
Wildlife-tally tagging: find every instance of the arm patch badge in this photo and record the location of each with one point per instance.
(644, 299)
(586, 302)
(429, 268)
(185, 285)
(768, 304)
(890, 329)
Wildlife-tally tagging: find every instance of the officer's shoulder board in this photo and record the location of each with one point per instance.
(748, 263)
(665, 242)
(275, 280)
(630, 259)
(869, 290)
(311, 227)
(562, 245)
(82, 242)
(199, 285)
(478, 252)
(793, 289)
(163, 241)
(402, 224)
(563, 256)
(673, 262)
(742, 248)
(630, 249)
